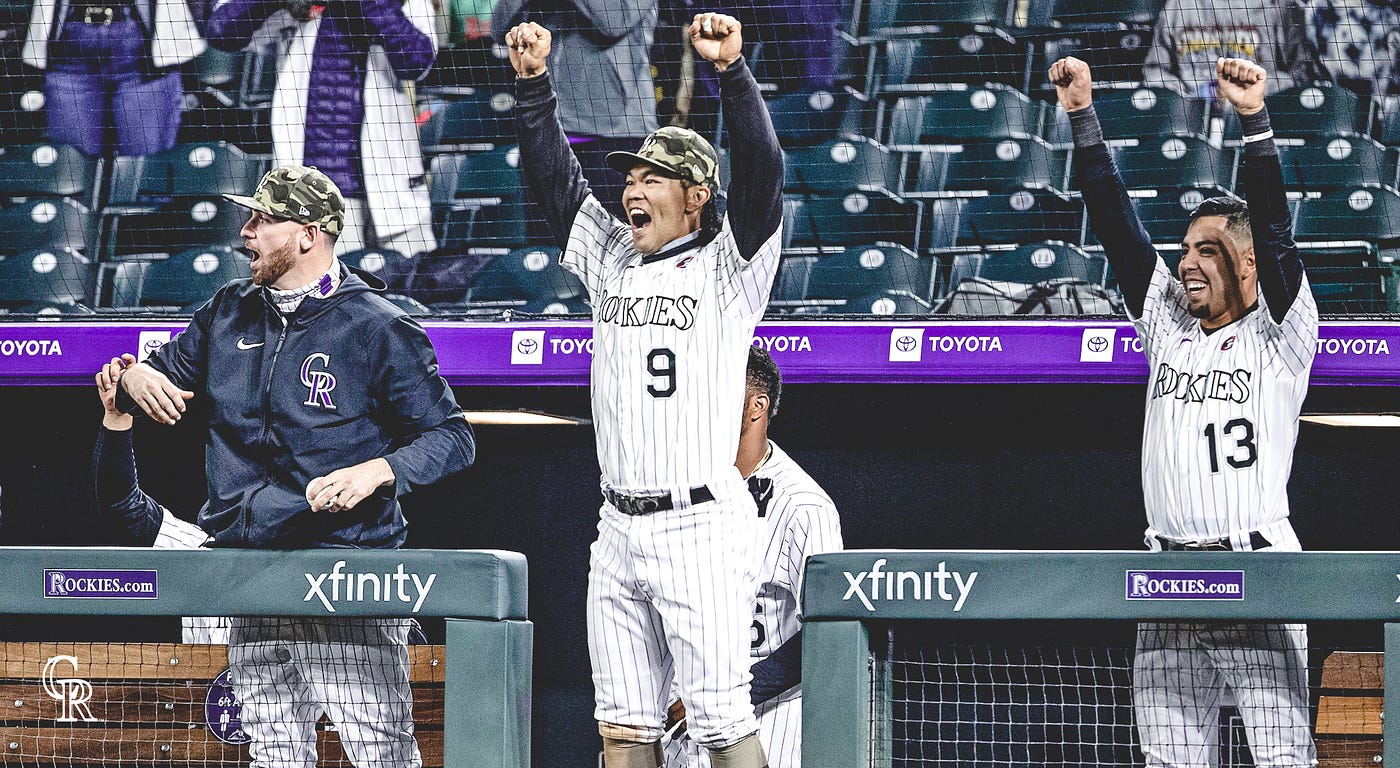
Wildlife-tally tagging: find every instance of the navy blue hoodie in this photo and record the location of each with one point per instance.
(349, 378)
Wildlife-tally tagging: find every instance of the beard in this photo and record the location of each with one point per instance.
(271, 265)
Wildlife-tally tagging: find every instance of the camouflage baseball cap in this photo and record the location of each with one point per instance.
(300, 193)
(680, 151)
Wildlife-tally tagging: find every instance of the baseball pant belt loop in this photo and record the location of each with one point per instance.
(1256, 541)
(661, 502)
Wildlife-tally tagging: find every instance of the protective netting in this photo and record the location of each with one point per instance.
(928, 166)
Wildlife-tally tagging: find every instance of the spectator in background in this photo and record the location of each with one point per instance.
(112, 67)
(339, 104)
(1356, 42)
(1192, 34)
(602, 77)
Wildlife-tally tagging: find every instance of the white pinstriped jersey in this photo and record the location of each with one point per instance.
(670, 348)
(175, 533)
(802, 522)
(1222, 413)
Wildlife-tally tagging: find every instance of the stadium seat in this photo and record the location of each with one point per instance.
(22, 116)
(46, 170)
(990, 165)
(818, 221)
(1166, 212)
(1370, 213)
(1114, 54)
(956, 113)
(859, 270)
(1336, 161)
(478, 121)
(977, 55)
(843, 165)
(190, 170)
(1347, 278)
(790, 284)
(45, 277)
(494, 173)
(1175, 161)
(804, 118)
(1006, 218)
(47, 223)
(524, 275)
(183, 281)
(886, 18)
(1311, 109)
(180, 225)
(1036, 262)
(1135, 113)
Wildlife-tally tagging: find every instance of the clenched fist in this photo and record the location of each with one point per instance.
(1074, 85)
(529, 49)
(1242, 83)
(717, 38)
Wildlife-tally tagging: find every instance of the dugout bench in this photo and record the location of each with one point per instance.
(113, 704)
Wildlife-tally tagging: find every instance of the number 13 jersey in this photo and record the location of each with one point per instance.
(1222, 412)
(671, 333)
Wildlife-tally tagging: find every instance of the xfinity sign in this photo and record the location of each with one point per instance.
(341, 586)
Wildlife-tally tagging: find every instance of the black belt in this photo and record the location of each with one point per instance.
(661, 502)
(99, 15)
(1256, 541)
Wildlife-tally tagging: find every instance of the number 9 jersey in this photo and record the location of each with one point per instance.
(1222, 415)
(671, 333)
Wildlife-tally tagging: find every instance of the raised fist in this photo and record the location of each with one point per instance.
(1074, 84)
(1242, 83)
(717, 38)
(529, 48)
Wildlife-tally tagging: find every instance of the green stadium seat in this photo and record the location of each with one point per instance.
(1135, 113)
(1092, 13)
(188, 279)
(804, 118)
(1307, 110)
(1166, 212)
(955, 113)
(189, 170)
(820, 221)
(842, 165)
(478, 199)
(1114, 54)
(1369, 213)
(1330, 162)
(47, 170)
(180, 225)
(524, 275)
(886, 18)
(1160, 162)
(46, 223)
(46, 277)
(880, 268)
(1006, 218)
(392, 267)
(979, 55)
(22, 116)
(990, 165)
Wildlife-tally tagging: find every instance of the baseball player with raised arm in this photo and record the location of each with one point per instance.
(676, 293)
(1230, 341)
(801, 521)
(127, 509)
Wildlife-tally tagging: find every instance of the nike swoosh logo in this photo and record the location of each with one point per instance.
(245, 345)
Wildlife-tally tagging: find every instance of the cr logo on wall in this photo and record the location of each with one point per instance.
(72, 693)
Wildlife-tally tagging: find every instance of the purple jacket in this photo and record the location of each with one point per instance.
(335, 106)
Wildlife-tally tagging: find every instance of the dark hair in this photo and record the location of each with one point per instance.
(763, 376)
(1235, 212)
(709, 215)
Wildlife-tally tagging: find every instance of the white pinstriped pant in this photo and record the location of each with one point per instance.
(1179, 675)
(671, 594)
(779, 728)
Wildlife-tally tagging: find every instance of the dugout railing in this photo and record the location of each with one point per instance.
(1061, 694)
(481, 676)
